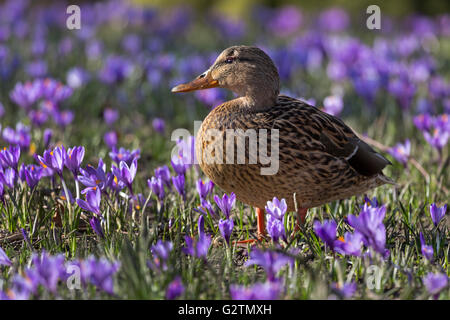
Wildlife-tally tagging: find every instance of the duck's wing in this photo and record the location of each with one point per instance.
(331, 135)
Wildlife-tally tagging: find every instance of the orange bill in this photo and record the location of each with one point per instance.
(204, 81)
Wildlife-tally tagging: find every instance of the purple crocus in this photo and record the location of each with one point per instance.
(269, 290)
(110, 139)
(285, 21)
(4, 260)
(31, 174)
(93, 178)
(437, 213)
(128, 156)
(437, 138)
(160, 251)
(92, 203)
(326, 231)
(47, 137)
(333, 105)
(198, 248)
(157, 187)
(164, 174)
(350, 244)
(74, 159)
(204, 189)
(25, 95)
(76, 77)
(178, 165)
(49, 269)
(275, 228)
(347, 290)
(110, 116)
(427, 251)
(10, 157)
(127, 173)
(401, 152)
(435, 283)
(226, 204)
(101, 273)
(159, 125)
(270, 261)
(115, 70)
(423, 122)
(179, 184)
(226, 228)
(370, 224)
(174, 289)
(276, 208)
(53, 159)
(96, 226)
(8, 177)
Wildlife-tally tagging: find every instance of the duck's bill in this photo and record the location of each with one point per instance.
(199, 83)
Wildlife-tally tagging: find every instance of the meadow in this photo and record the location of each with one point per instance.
(99, 201)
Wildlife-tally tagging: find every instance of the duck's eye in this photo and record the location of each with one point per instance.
(229, 60)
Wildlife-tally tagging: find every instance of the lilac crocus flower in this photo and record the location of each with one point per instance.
(77, 77)
(127, 173)
(269, 290)
(437, 213)
(204, 189)
(427, 251)
(350, 244)
(334, 19)
(96, 226)
(226, 228)
(401, 152)
(49, 269)
(174, 289)
(347, 290)
(226, 204)
(437, 138)
(179, 184)
(128, 156)
(102, 272)
(92, 203)
(161, 252)
(270, 261)
(159, 125)
(110, 139)
(333, 105)
(178, 165)
(74, 159)
(164, 174)
(25, 95)
(423, 122)
(275, 228)
(286, 21)
(115, 70)
(435, 283)
(198, 248)
(4, 260)
(31, 174)
(8, 177)
(370, 224)
(110, 116)
(276, 208)
(205, 207)
(47, 137)
(157, 187)
(54, 159)
(326, 231)
(93, 178)
(10, 157)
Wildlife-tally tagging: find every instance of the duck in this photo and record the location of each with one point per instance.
(311, 157)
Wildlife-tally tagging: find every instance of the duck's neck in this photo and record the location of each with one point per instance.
(257, 100)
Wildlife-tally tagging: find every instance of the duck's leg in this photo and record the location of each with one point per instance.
(261, 228)
(301, 217)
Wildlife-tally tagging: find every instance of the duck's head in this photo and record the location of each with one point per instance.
(247, 71)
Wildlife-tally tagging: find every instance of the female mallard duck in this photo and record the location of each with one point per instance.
(318, 157)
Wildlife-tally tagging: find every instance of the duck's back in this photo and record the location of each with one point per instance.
(319, 158)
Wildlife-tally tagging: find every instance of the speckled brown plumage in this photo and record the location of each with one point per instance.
(320, 158)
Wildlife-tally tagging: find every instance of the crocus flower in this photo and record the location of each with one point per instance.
(270, 261)
(334, 19)
(161, 251)
(269, 290)
(347, 290)
(423, 122)
(205, 207)
(102, 272)
(74, 159)
(128, 156)
(285, 21)
(10, 157)
(4, 260)
(26, 94)
(326, 231)
(226, 228)
(350, 244)
(226, 204)
(198, 248)
(115, 70)
(179, 184)
(333, 105)
(435, 283)
(92, 203)
(427, 251)
(437, 213)
(275, 228)
(110, 116)
(178, 165)
(20, 136)
(53, 159)
(32, 174)
(164, 174)
(370, 224)
(438, 138)
(47, 136)
(93, 178)
(77, 77)
(110, 139)
(276, 208)
(401, 152)
(8, 177)
(157, 187)
(49, 269)
(204, 189)
(174, 289)
(159, 125)
(96, 226)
